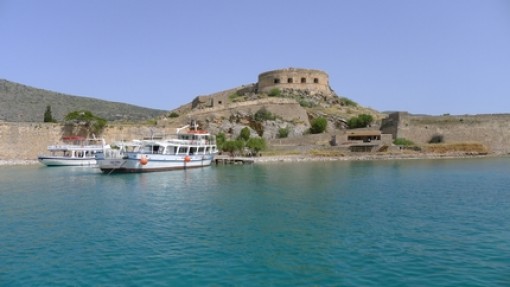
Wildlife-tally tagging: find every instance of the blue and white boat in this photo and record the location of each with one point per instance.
(191, 149)
(73, 151)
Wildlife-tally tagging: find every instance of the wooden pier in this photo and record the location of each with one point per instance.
(225, 159)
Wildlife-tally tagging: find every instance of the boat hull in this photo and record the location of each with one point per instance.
(154, 163)
(66, 161)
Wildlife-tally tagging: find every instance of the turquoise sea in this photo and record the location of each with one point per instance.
(348, 223)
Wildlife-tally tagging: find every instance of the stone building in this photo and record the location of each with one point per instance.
(294, 78)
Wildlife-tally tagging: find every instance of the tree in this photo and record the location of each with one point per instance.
(245, 134)
(256, 144)
(318, 125)
(361, 121)
(48, 118)
(93, 123)
(233, 146)
(220, 140)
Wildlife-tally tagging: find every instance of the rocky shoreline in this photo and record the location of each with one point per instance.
(306, 158)
(361, 157)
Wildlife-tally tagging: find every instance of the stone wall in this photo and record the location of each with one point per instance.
(287, 109)
(25, 141)
(490, 130)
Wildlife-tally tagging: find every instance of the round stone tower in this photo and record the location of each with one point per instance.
(293, 78)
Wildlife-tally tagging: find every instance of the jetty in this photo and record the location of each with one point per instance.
(226, 159)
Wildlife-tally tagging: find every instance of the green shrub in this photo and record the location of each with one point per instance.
(436, 139)
(361, 121)
(174, 115)
(403, 142)
(318, 125)
(306, 104)
(349, 102)
(233, 97)
(275, 92)
(263, 115)
(283, 132)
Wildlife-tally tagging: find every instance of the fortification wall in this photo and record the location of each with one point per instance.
(25, 141)
(287, 109)
(490, 130)
(292, 78)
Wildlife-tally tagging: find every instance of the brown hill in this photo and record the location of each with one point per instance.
(21, 103)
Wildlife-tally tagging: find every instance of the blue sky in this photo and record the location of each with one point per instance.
(421, 56)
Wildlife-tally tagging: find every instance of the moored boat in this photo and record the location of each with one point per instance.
(190, 149)
(73, 151)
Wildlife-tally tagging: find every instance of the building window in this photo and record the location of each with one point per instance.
(276, 81)
(303, 80)
(289, 80)
(316, 80)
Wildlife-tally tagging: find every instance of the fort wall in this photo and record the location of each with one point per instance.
(25, 140)
(492, 130)
(293, 78)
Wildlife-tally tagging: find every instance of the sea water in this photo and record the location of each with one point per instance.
(345, 223)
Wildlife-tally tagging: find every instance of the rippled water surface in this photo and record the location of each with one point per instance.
(370, 223)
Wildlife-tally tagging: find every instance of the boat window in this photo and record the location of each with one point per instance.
(192, 150)
(170, 150)
(201, 150)
(182, 150)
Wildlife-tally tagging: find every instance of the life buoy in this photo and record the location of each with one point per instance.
(187, 158)
(144, 160)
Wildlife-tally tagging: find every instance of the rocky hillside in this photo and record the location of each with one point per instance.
(20, 103)
(268, 113)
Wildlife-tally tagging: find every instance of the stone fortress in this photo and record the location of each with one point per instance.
(289, 78)
(294, 78)
(491, 130)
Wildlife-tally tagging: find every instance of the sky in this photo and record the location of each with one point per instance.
(421, 56)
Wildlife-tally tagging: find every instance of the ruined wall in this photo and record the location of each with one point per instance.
(287, 109)
(490, 130)
(25, 141)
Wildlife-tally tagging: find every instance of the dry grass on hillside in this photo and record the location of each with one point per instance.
(473, 148)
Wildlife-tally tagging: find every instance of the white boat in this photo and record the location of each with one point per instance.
(190, 149)
(74, 151)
